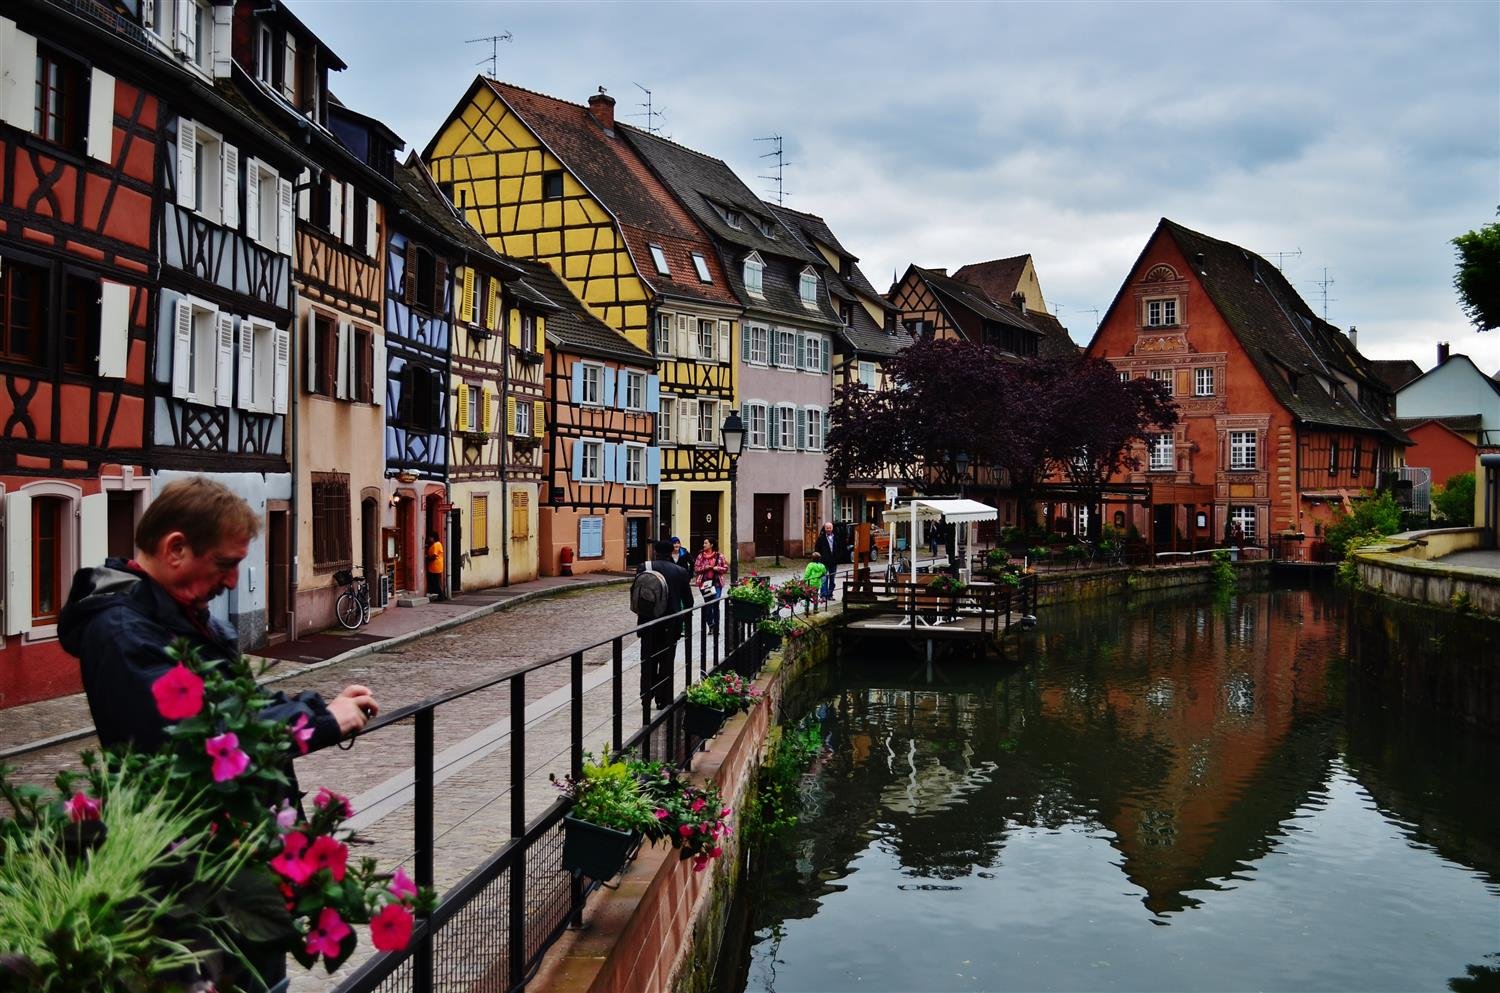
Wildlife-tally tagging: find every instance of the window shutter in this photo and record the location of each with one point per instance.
(229, 174)
(350, 205)
(101, 115)
(607, 396)
(148, 14)
(283, 370)
(184, 39)
(439, 286)
(304, 195)
(437, 396)
(336, 208)
(801, 416)
(466, 296)
(372, 228)
(311, 335)
(744, 341)
(577, 383)
(487, 411)
(221, 40)
(513, 330)
(223, 359)
(182, 346)
(463, 408)
(244, 382)
(610, 469)
(653, 394)
(409, 275)
(538, 419)
(685, 344)
(377, 363)
(187, 163)
(687, 432)
(577, 471)
(725, 352)
(826, 347)
(510, 416)
(773, 426)
(252, 198)
(114, 329)
(341, 363)
(653, 466)
(288, 66)
(93, 529)
(17, 563)
(492, 306)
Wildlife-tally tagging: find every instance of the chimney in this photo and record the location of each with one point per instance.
(1354, 337)
(1442, 352)
(602, 106)
(1018, 299)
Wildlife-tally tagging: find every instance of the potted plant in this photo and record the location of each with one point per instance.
(774, 629)
(750, 599)
(612, 812)
(713, 698)
(949, 585)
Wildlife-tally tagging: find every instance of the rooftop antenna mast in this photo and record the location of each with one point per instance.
(649, 114)
(781, 164)
(1091, 310)
(1322, 285)
(494, 57)
(1281, 258)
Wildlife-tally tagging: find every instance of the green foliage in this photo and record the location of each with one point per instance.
(726, 691)
(748, 590)
(1223, 571)
(1478, 277)
(1454, 501)
(996, 558)
(1461, 602)
(631, 794)
(1375, 516)
(789, 753)
(610, 794)
(948, 585)
(1348, 571)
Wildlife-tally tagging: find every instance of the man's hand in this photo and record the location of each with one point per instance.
(353, 708)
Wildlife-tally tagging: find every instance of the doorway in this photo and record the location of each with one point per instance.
(453, 542)
(812, 502)
(664, 518)
(120, 540)
(406, 526)
(705, 520)
(770, 523)
(1163, 533)
(369, 543)
(278, 572)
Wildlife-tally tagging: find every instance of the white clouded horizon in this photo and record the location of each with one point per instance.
(1365, 135)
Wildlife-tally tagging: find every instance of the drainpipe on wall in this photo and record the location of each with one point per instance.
(505, 400)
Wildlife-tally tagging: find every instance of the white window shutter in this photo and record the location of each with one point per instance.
(288, 68)
(245, 381)
(19, 88)
(372, 228)
(349, 205)
(252, 198)
(223, 359)
(114, 329)
(182, 346)
(17, 563)
(148, 14)
(687, 422)
(304, 208)
(725, 350)
(93, 530)
(341, 371)
(686, 346)
(229, 202)
(183, 38)
(187, 163)
(101, 115)
(336, 208)
(379, 370)
(221, 40)
(285, 227)
(310, 349)
(282, 374)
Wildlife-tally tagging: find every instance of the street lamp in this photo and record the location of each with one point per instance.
(961, 466)
(732, 439)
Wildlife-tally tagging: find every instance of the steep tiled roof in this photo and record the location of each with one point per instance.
(1056, 343)
(572, 327)
(1296, 352)
(1453, 422)
(954, 292)
(1395, 373)
(419, 199)
(997, 278)
(613, 173)
(813, 228)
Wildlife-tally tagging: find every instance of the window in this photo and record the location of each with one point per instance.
(1163, 453)
(80, 312)
(757, 345)
(1245, 518)
(419, 405)
(635, 465)
(731, 217)
(426, 285)
(1161, 313)
(552, 184)
(708, 422)
(46, 559)
(665, 418)
(58, 106)
(814, 429)
(520, 515)
(1333, 456)
(359, 235)
(755, 425)
(528, 333)
(322, 355)
(523, 410)
(705, 340)
(786, 349)
(1242, 449)
(659, 257)
(591, 461)
(812, 353)
(22, 287)
(363, 371)
(201, 333)
(201, 24)
(1354, 458)
(867, 375)
(479, 524)
(289, 68)
(701, 265)
(257, 373)
(635, 390)
(1203, 382)
(593, 384)
(663, 334)
(755, 271)
(1164, 377)
(807, 288)
(265, 54)
(330, 516)
(786, 427)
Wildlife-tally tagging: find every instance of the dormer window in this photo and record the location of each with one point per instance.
(701, 265)
(1161, 312)
(766, 227)
(731, 217)
(755, 272)
(660, 258)
(807, 287)
(265, 54)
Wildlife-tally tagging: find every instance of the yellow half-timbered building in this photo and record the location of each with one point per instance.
(545, 179)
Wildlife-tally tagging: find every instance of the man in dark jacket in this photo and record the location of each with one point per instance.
(659, 642)
(830, 553)
(121, 616)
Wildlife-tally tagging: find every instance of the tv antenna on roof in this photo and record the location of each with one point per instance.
(1089, 310)
(1281, 257)
(781, 164)
(494, 57)
(1322, 285)
(649, 114)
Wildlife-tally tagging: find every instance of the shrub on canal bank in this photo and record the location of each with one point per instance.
(790, 751)
(1372, 518)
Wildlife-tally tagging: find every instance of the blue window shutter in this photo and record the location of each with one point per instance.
(611, 469)
(653, 465)
(577, 383)
(653, 394)
(744, 341)
(609, 399)
(801, 351)
(577, 472)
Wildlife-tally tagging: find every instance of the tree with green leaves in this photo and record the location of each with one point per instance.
(1453, 501)
(1478, 276)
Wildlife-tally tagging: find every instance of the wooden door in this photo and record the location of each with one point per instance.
(812, 501)
(406, 525)
(1163, 534)
(704, 522)
(664, 520)
(278, 570)
(770, 523)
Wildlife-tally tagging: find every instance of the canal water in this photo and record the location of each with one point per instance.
(1176, 795)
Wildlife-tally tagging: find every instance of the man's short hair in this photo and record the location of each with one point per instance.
(205, 511)
(663, 549)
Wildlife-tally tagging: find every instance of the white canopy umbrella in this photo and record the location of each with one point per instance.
(949, 511)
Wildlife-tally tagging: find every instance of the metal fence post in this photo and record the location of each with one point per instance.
(422, 830)
(517, 952)
(617, 698)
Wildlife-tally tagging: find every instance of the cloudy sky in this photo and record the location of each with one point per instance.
(1364, 136)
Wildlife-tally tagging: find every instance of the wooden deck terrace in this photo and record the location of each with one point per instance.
(919, 616)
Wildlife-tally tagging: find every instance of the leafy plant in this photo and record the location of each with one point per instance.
(749, 590)
(611, 793)
(948, 585)
(782, 627)
(1038, 552)
(789, 752)
(996, 558)
(1375, 516)
(795, 591)
(1461, 602)
(1454, 501)
(725, 691)
(1223, 572)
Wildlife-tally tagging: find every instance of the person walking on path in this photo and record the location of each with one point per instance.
(435, 566)
(816, 571)
(710, 572)
(829, 552)
(659, 641)
(681, 556)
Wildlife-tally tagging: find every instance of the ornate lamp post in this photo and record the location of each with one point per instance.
(961, 466)
(732, 440)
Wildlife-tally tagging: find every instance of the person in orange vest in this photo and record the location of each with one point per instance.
(434, 566)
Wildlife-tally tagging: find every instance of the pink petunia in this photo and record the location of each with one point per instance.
(327, 798)
(700, 863)
(286, 816)
(229, 760)
(302, 732)
(179, 693)
(724, 813)
(328, 934)
(662, 813)
(716, 852)
(82, 807)
(686, 830)
(290, 863)
(327, 853)
(401, 885)
(697, 805)
(390, 930)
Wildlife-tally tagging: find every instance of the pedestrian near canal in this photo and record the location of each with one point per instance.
(681, 556)
(652, 601)
(710, 572)
(829, 552)
(435, 566)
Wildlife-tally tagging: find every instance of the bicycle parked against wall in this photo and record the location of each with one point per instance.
(353, 608)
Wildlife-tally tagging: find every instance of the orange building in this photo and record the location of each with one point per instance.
(1282, 419)
(1445, 445)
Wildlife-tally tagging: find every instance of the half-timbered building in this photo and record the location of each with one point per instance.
(934, 304)
(80, 118)
(1282, 419)
(602, 463)
(545, 179)
(786, 347)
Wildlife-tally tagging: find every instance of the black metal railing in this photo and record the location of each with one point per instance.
(490, 931)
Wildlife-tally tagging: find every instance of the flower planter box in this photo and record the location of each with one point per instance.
(703, 721)
(594, 850)
(772, 640)
(745, 611)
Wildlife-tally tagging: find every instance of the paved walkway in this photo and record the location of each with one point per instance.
(1476, 559)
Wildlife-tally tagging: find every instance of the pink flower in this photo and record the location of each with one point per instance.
(724, 813)
(326, 853)
(82, 807)
(697, 805)
(229, 761)
(179, 693)
(286, 816)
(290, 863)
(326, 935)
(662, 814)
(716, 852)
(402, 886)
(390, 930)
(700, 863)
(686, 830)
(327, 798)
(302, 732)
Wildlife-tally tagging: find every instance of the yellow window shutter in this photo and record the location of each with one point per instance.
(492, 316)
(538, 419)
(510, 415)
(462, 420)
(466, 298)
(515, 328)
(487, 413)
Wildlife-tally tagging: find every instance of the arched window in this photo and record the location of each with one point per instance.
(755, 271)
